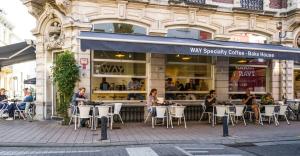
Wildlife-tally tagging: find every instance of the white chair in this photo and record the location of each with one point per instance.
(231, 113)
(161, 113)
(21, 112)
(209, 114)
(148, 115)
(270, 113)
(74, 113)
(177, 112)
(220, 112)
(2, 110)
(104, 112)
(282, 112)
(239, 112)
(84, 113)
(117, 109)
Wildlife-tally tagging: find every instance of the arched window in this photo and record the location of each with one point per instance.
(120, 28)
(189, 33)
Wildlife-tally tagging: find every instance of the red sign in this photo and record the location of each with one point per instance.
(84, 62)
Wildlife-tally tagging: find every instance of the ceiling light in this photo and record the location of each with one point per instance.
(177, 55)
(186, 58)
(120, 55)
(242, 61)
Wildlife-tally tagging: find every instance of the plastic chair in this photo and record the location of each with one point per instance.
(177, 112)
(74, 113)
(104, 112)
(239, 112)
(282, 112)
(20, 112)
(160, 100)
(270, 113)
(220, 112)
(117, 109)
(204, 112)
(84, 113)
(161, 112)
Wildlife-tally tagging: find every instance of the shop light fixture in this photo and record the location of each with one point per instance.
(242, 61)
(120, 55)
(177, 55)
(186, 58)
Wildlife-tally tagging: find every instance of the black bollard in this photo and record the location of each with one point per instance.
(225, 126)
(103, 128)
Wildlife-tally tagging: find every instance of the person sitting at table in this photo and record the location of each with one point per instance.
(104, 85)
(267, 99)
(79, 97)
(3, 99)
(210, 99)
(134, 85)
(249, 101)
(152, 100)
(12, 107)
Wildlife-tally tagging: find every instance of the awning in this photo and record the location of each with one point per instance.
(166, 45)
(30, 81)
(17, 53)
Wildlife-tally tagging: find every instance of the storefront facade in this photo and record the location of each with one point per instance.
(116, 75)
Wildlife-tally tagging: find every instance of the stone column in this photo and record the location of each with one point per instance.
(286, 77)
(275, 79)
(221, 77)
(156, 73)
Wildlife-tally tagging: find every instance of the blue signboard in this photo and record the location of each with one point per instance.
(164, 45)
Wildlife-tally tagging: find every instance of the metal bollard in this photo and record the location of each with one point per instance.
(104, 128)
(225, 126)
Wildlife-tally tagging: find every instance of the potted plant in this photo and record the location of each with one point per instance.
(65, 74)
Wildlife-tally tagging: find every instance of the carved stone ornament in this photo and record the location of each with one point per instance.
(54, 38)
(64, 5)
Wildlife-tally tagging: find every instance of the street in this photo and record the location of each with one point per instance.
(281, 148)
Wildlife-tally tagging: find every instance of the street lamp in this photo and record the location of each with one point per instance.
(281, 33)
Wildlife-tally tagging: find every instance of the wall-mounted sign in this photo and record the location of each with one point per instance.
(84, 62)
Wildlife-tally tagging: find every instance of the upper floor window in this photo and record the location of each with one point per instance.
(189, 33)
(120, 28)
(252, 4)
(249, 38)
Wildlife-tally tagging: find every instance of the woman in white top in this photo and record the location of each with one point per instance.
(152, 99)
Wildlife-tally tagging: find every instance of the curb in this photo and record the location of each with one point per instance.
(229, 141)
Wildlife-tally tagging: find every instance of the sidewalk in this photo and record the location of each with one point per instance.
(49, 133)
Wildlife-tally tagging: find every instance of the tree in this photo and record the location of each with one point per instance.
(65, 74)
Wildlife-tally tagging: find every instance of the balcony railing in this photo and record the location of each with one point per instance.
(252, 4)
(193, 2)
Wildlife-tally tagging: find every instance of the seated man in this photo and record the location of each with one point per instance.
(12, 107)
(210, 99)
(3, 99)
(249, 101)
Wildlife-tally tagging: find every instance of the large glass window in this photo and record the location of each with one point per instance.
(248, 73)
(188, 77)
(120, 28)
(189, 33)
(118, 76)
(297, 82)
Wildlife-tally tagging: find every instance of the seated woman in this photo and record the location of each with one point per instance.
(267, 99)
(249, 101)
(21, 106)
(152, 100)
(79, 97)
(210, 99)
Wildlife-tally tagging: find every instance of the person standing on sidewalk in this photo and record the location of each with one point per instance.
(3, 99)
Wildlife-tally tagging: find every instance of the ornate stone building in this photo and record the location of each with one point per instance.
(60, 23)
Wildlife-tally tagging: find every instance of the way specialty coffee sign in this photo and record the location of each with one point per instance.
(232, 52)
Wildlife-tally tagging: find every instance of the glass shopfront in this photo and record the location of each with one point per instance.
(246, 74)
(118, 76)
(188, 77)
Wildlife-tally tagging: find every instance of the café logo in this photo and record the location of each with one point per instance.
(111, 69)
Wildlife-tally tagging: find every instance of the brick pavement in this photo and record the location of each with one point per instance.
(51, 133)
